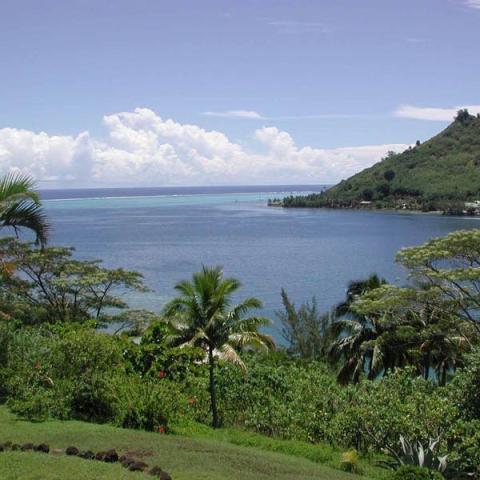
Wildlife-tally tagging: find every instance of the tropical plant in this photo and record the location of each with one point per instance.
(449, 265)
(354, 333)
(205, 317)
(20, 206)
(351, 462)
(51, 286)
(414, 453)
(304, 328)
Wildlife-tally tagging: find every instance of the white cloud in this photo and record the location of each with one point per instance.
(144, 149)
(473, 3)
(433, 113)
(249, 114)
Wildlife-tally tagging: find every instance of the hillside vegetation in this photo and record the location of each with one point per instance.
(440, 174)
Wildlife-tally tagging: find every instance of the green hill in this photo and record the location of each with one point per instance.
(440, 174)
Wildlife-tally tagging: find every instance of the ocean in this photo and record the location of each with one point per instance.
(167, 233)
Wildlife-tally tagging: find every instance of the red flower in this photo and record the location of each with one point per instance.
(160, 429)
(161, 374)
(192, 401)
(37, 365)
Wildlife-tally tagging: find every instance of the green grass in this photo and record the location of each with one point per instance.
(318, 453)
(184, 458)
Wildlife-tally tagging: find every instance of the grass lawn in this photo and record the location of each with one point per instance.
(184, 458)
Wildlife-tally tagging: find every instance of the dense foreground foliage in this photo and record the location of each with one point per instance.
(391, 371)
(84, 374)
(440, 174)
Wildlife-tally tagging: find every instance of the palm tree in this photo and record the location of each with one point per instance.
(205, 316)
(20, 206)
(355, 289)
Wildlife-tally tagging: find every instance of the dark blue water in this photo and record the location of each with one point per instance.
(169, 233)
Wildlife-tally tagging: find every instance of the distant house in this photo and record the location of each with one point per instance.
(365, 202)
(473, 207)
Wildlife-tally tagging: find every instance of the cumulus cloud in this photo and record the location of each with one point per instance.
(433, 113)
(144, 149)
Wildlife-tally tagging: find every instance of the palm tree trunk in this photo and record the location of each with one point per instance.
(213, 393)
(426, 372)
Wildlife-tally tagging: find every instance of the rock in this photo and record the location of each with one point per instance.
(127, 461)
(43, 448)
(27, 446)
(56, 451)
(111, 456)
(158, 472)
(138, 467)
(72, 451)
(100, 456)
(87, 454)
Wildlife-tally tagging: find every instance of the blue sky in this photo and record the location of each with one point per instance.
(328, 74)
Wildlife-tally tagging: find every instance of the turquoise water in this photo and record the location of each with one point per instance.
(167, 235)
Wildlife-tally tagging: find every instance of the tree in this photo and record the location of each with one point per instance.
(20, 206)
(304, 328)
(204, 316)
(464, 117)
(49, 285)
(389, 175)
(353, 332)
(450, 266)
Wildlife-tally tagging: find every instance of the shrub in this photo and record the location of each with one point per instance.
(410, 472)
(149, 405)
(463, 440)
(466, 386)
(350, 462)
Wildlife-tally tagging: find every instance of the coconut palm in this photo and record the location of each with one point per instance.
(355, 289)
(204, 316)
(354, 336)
(20, 206)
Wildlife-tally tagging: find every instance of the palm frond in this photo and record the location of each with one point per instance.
(228, 354)
(26, 214)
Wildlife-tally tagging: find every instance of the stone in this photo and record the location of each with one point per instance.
(43, 448)
(87, 455)
(127, 461)
(72, 451)
(100, 456)
(27, 446)
(111, 456)
(158, 472)
(138, 467)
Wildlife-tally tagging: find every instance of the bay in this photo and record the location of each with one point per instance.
(168, 233)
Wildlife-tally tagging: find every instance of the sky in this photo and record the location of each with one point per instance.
(188, 92)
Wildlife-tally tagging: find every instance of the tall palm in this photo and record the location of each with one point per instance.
(355, 289)
(354, 336)
(20, 206)
(204, 316)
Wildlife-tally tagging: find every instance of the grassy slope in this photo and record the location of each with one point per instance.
(446, 167)
(184, 458)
